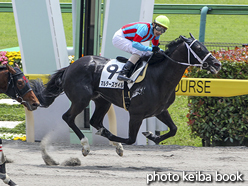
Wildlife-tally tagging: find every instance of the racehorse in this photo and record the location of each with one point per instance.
(14, 84)
(150, 97)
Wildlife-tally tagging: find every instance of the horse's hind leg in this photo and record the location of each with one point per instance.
(166, 119)
(69, 118)
(134, 125)
(101, 108)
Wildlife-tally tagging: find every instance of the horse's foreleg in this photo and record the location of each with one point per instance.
(86, 146)
(101, 108)
(69, 118)
(166, 119)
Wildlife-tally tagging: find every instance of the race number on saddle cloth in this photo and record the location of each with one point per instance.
(110, 73)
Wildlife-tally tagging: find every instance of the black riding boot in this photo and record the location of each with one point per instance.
(124, 73)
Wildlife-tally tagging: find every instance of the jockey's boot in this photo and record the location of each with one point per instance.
(124, 73)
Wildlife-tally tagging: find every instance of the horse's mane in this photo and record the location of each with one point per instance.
(158, 57)
(173, 45)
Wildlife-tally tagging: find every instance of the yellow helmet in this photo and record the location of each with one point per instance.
(163, 21)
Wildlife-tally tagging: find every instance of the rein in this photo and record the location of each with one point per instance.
(202, 64)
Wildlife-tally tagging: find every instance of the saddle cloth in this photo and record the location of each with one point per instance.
(111, 71)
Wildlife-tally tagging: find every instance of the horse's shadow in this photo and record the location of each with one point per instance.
(111, 168)
(124, 167)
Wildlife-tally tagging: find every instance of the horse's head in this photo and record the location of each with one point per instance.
(19, 89)
(199, 55)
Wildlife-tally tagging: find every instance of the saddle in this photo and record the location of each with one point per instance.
(157, 57)
(126, 91)
(140, 77)
(138, 65)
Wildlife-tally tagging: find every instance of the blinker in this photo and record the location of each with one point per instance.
(12, 90)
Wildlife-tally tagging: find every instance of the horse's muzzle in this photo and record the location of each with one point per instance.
(215, 68)
(31, 106)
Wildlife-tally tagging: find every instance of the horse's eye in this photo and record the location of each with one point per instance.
(20, 83)
(199, 49)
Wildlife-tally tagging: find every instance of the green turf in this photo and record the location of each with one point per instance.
(12, 112)
(219, 28)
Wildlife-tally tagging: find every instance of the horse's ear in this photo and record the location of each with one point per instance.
(184, 38)
(16, 65)
(11, 69)
(191, 36)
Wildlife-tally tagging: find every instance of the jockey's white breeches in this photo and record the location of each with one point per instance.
(119, 41)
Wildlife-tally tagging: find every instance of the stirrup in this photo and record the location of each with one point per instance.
(123, 78)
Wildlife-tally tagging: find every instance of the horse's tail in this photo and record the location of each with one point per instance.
(46, 94)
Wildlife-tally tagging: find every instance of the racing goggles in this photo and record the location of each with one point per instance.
(160, 29)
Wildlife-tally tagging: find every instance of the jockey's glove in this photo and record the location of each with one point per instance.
(155, 49)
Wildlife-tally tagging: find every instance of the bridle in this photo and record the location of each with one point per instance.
(203, 64)
(12, 91)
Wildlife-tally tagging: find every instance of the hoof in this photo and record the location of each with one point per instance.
(85, 152)
(146, 134)
(86, 146)
(119, 148)
(119, 152)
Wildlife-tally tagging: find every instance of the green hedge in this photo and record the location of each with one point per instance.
(216, 119)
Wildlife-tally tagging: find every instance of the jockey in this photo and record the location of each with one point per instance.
(129, 39)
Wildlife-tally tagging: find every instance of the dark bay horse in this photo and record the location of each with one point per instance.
(14, 84)
(150, 97)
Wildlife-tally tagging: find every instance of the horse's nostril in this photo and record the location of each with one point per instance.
(217, 64)
(35, 104)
